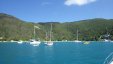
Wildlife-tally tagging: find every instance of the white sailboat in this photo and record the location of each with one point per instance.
(33, 41)
(77, 38)
(109, 59)
(50, 42)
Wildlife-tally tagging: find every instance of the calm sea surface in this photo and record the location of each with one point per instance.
(59, 53)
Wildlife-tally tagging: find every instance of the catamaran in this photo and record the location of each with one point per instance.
(77, 38)
(50, 42)
(33, 41)
(109, 59)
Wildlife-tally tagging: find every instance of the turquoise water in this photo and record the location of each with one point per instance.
(59, 53)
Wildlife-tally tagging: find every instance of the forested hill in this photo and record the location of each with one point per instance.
(12, 28)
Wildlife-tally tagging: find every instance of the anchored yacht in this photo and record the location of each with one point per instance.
(33, 41)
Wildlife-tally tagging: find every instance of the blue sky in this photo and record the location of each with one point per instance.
(57, 10)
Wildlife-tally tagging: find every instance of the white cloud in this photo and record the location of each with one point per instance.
(78, 2)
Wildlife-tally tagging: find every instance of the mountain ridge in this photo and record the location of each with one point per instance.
(12, 28)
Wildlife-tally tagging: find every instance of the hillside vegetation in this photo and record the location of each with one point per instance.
(12, 28)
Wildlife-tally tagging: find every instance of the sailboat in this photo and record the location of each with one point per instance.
(50, 42)
(77, 38)
(109, 59)
(33, 41)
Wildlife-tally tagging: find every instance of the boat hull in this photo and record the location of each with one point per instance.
(35, 43)
(50, 43)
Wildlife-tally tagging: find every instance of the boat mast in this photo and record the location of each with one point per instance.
(77, 34)
(46, 36)
(34, 32)
(51, 32)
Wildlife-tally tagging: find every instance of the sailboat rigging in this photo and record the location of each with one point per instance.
(33, 41)
(50, 42)
(77, 40)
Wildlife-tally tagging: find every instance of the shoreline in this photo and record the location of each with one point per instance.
(59, 41)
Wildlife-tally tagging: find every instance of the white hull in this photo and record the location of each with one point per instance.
(77, 41)
(111, 62)
(35, 43)
(50, 43)
(20, 42)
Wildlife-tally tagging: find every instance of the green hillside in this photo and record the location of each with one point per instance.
(12, 28)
